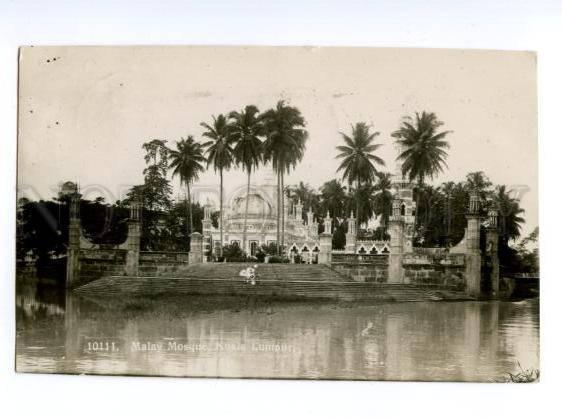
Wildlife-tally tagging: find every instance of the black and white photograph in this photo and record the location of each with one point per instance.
(278, 212)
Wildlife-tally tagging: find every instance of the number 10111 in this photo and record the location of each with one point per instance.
(102, 347)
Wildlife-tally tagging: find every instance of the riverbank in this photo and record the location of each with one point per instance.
(272, 288)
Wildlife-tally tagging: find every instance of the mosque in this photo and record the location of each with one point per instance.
(301, 232)
(261, 226)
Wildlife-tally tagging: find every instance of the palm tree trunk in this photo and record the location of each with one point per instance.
(246, 212)
(189, 209)
(282, 212)
(278, 213)
(448, 242)
(357, 204)
(221, 215)
(417, 216)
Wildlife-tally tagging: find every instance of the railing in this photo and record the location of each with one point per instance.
(433, 259)
(354, 258)
(103, 254)
(160, 256)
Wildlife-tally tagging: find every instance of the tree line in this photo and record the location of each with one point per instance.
(247, 139)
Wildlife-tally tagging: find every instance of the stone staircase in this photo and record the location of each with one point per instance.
(285, 288)
(265, 272)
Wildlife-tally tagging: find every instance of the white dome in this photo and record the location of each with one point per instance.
(257, 206)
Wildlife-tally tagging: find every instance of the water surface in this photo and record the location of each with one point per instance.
(59, 332)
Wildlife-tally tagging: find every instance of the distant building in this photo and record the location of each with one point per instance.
(261, 227)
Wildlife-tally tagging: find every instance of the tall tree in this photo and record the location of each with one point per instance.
(246, 128)
(383, 197)
(358, 158)
(365, 195)
(448, 191)
(219, 154)
(422, 147)
(306, 195)
(333, 196)
(156, 189)
(509, 220)
(284, 147)
(186, 161)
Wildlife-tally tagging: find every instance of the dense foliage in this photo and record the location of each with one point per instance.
(247, 138)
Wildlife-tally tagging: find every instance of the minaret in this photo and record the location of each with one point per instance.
(309, 217)
(207, 222)
(328, 223)
(351, 235)
(298, 209)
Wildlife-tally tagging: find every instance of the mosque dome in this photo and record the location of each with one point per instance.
(257, 206)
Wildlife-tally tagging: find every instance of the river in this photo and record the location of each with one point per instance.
(58, 332)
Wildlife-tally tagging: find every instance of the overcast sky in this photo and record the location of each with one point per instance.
(85, 111)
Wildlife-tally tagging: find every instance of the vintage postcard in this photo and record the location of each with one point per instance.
(278, 212)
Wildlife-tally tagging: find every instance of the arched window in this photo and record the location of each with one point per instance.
(403, 209)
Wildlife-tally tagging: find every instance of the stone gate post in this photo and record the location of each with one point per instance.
(133, 240)
(396, 231)
(73, 251)
(325, 254)
(351, 235)
(473, 267)
(492, 250)
(196, 248)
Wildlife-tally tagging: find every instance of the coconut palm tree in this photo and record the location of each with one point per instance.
(245, 131)
(358, 158)
(422, 147)
(219, 154)
(284, 146)
(479, 182)
(509, 219)
(383, 197)
(186, 161)
(365, 195)
(333, 196)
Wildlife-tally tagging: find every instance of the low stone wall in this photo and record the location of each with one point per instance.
(97, 263)
(435, 269)
(362, 268)
(163, 263)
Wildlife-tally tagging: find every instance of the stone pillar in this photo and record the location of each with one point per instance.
(133, 240)
(492, 250)
(473, 267)
(196, 248)
(207, 222)
(351, 235)
(328, 223)
(396, 231)
(298, 211)
(325, 254)
(73, 251)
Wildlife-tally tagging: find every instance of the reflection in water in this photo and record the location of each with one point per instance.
(233, 337)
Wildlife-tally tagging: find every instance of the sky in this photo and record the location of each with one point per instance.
(84, 112)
